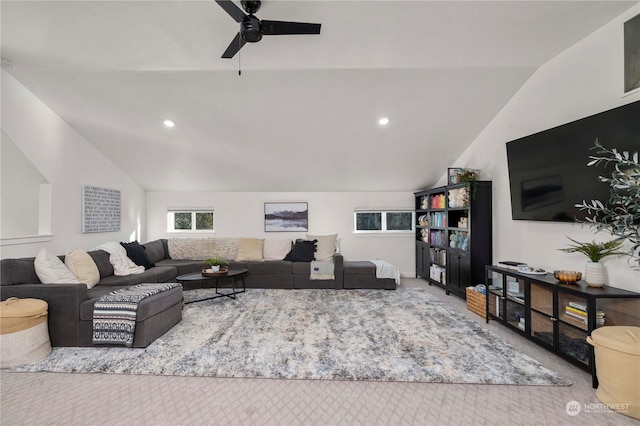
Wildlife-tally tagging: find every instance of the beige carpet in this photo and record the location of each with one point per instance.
(100, 399)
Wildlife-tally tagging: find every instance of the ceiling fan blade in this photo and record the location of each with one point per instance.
(235, 45)
(281, 27)
(234, 11)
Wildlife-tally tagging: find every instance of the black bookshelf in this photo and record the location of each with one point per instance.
(454, 235)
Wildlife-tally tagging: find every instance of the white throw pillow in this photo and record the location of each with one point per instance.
(83, 267)
(50, 269)
(276, 249)
(326, 246)
(250, 249)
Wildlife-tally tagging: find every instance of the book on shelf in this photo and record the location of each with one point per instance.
(576, 311)
(584, 320)
(578, 305)
(583, 312)
(577, 322)
(510, 264)
(518, 296)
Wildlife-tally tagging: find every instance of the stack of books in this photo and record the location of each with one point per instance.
(576, 313)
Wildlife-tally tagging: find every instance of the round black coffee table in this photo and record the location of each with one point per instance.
(197, 277)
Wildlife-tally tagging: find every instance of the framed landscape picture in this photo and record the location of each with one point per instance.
(286, 217)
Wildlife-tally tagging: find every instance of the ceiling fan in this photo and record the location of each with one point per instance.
(252, 29)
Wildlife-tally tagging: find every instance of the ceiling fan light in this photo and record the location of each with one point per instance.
(169, 123)
(250, 30)
(383, 121)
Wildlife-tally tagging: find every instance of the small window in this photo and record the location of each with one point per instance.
(383, 221)
(185, 220)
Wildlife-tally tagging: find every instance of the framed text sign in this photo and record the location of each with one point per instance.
(100, 209)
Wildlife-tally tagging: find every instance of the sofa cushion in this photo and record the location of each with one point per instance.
(183, 266)
(362, 267)
(233, 264)
(225, 248)
(326, 246)
(83, 267)
(191, 248)
(51, 270)
(18, 271)
(276, 249)
(158, 274)
(303, 268)
(155, 251)
(250, 249)
(137, 254)
(202, 248)
(302, 251)
(101, 259)
(273, 267)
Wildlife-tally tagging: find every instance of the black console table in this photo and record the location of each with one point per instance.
(558, 316)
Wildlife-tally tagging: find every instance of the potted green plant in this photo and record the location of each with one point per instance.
(216, 263)
(470, 177)
(594, 271)
(620, 215)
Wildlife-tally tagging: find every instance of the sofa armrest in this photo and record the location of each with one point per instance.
(338, 270)
(64, 302)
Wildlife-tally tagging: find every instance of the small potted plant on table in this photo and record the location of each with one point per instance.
(216, 266)
(594, 271)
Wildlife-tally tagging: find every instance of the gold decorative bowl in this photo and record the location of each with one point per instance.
(567, 276)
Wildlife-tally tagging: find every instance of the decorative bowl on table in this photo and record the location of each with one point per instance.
(211, 273)
(567, 276)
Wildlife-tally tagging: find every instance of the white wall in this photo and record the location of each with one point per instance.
(20, 197)
(584, 80)
(67, 161)
(241, 214)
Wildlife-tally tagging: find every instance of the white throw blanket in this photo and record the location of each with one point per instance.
(385, 269)
(322, 270)
(122, 265)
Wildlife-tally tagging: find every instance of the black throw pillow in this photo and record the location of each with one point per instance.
(302, 251)
(137, 254)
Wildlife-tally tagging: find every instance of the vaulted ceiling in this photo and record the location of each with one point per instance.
(303, 114)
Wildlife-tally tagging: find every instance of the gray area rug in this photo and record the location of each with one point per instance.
(318, 334)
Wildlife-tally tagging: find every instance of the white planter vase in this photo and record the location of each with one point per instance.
(594, 274)
(215, 268)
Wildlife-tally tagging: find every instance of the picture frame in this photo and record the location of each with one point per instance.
(286, 217)
(453, 174)
(100, 209)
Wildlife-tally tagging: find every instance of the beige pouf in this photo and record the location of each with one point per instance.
(24, 334)
(617, 350)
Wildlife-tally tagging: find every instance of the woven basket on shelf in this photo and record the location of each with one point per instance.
(476, 302)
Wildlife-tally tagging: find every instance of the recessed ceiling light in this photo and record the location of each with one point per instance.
(383, 121)
(169, 123)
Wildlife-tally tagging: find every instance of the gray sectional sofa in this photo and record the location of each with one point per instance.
(71, 305)
(261, 274)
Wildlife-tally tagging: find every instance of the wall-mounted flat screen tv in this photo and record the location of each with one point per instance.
(548, 173)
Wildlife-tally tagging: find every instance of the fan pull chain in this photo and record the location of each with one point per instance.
(240, 58)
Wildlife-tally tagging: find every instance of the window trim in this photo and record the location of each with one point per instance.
(384, 229)
(171, 220)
